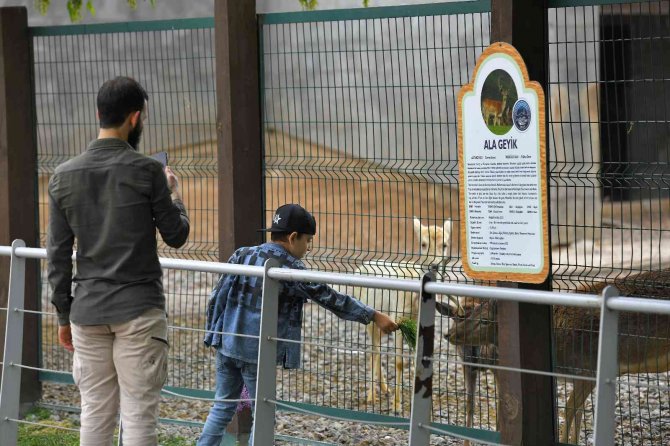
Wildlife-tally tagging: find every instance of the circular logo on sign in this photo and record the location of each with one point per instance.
(521, 115)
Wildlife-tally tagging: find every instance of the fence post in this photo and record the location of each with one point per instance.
(238, 125)
(422, 399)
(18, 170)
(608, 369)
(266, 380)
(10, 388)
(526, 411)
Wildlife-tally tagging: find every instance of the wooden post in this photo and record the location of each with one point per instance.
(238, 129)
(18, 171)
(238, 125)
(527, 405)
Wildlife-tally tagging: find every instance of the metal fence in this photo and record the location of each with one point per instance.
(267, 399)
(359, 123)
(359, 126)
(610, 168)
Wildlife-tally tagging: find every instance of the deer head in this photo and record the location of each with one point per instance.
(434, 240)
(475, 326)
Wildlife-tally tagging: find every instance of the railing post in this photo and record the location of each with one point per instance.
(607, 372)
(422, 399)
(10, 389)
(266, 380)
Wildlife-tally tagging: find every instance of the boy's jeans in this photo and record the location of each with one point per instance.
(231, 374)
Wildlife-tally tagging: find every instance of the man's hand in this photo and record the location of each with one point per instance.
(385, 323)
(172, 180)
(65, 337)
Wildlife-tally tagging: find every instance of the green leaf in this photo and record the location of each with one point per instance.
(90, 7)
(309, 4)
(42, 6)
(408, 329)
(366, 3)
(74, 9)
(132, 4)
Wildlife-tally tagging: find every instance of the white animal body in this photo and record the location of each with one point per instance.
(435, 246)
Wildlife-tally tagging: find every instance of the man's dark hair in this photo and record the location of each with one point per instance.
(117, 98)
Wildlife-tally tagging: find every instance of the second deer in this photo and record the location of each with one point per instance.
(644, 340)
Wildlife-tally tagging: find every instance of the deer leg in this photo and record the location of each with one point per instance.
(574, 410)
(399, 365)
(467, 354)
(375, 366)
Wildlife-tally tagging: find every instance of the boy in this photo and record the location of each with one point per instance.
(235, 306)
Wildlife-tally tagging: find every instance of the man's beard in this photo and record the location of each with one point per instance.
(135, 135)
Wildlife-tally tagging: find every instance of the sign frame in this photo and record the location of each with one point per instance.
(502, 274)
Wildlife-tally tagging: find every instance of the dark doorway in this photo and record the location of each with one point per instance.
(635, 99)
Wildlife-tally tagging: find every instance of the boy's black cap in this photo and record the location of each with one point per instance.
(292, 218)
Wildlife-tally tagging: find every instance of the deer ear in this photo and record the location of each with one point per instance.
(447, 227)
(417, 225)
(444, 309)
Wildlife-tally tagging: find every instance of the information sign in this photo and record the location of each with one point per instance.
(502, 166)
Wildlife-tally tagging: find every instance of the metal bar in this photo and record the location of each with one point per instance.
(10, 388)
(509, 294)
(629, 303)
(604, 425)
(575, 3)
(345, 279)
(122, 27)
(266, 387)
(422, 399)
(462, 7)
(638, 305)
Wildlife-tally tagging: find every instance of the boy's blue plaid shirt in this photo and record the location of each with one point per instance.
(235, 307)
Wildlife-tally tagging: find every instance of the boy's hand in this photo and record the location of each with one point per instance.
(385, 323)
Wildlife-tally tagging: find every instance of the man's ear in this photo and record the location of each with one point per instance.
(134, 118)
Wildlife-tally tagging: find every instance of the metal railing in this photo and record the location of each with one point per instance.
(420, 426)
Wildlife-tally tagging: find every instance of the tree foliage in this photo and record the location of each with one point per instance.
(312, 4)
(74, 7)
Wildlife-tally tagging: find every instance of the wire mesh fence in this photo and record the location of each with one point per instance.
(174, 61)
(360, 128)
(609, 177)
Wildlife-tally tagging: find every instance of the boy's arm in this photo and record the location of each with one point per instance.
(344, 306)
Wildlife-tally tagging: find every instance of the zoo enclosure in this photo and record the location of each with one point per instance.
(420, 425)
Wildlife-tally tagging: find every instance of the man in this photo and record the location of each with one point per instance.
(111, 199)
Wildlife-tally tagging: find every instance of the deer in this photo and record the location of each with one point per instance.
(574, 335)
(495, 111)
(468, 352)
(435, 247)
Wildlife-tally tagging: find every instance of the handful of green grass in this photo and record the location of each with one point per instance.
(407, 327)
